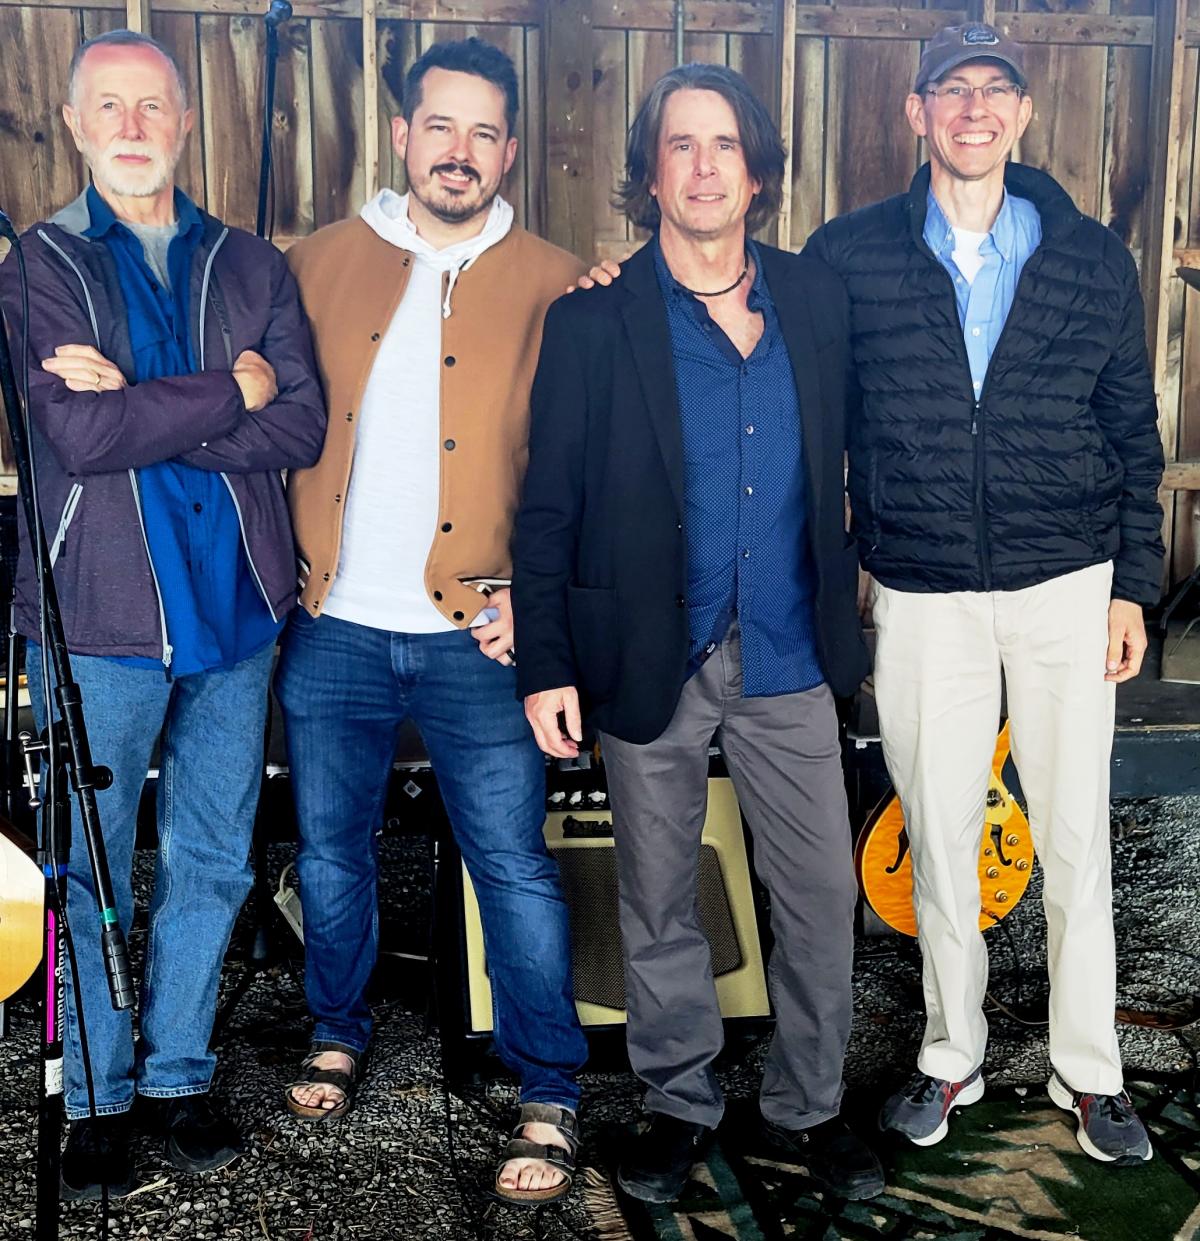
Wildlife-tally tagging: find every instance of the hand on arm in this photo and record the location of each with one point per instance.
(255, 377)
(542, 711)
(84, 369)
(1126, 641)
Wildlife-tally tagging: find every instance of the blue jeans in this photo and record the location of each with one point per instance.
(345, 690)
(210, 771)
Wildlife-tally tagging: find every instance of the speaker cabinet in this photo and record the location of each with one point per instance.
(581, 843)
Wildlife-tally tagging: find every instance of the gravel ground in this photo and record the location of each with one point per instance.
(385, 1171)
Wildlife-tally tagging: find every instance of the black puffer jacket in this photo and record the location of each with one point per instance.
(1058, 465)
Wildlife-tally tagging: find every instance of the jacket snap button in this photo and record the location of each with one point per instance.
(374, 335)
(449, 445)
(337, 499)
(446, 527)
(458, 616)
(450, 360)
(350, 417)
(327, 577)
(437, 594)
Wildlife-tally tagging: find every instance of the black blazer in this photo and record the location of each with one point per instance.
(600, 569)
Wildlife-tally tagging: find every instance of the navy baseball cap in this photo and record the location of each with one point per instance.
(955, 45)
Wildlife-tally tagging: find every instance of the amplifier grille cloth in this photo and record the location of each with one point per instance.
(589, 880)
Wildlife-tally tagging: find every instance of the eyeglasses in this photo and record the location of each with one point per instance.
(993, 92)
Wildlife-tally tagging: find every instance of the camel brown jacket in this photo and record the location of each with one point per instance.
(351, 282)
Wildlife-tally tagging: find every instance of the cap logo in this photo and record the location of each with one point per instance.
(979, 34)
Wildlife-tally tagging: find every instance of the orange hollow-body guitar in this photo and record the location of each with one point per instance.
(21, 895)
(883, 859)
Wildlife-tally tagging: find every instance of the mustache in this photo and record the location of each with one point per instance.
(466, 169)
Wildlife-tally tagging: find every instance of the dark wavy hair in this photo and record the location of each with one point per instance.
(471, 55)
(759, 136)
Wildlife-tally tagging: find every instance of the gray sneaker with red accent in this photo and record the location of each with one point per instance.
(1109, 1128)
(921, 1111)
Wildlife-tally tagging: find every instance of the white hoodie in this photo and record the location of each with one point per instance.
(392, 504)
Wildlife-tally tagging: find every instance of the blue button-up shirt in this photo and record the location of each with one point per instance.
(983, 304)
(748, 554)
(215, 614)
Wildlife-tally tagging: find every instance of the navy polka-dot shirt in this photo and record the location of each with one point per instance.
(744, 493)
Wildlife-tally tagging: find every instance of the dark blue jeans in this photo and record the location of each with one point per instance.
(345, 689)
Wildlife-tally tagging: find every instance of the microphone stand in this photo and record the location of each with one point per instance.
(68, 756)
(273, 18)
(261, 953)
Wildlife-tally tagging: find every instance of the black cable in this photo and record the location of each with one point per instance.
(49, 789)
(473, 1223)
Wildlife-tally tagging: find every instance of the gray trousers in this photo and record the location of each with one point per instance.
(784, 758)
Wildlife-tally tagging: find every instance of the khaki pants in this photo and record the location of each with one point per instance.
(937, 682)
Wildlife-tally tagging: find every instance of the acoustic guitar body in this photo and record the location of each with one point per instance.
(21, 895)
(883, 859)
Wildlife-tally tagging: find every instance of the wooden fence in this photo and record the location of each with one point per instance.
(1114, 83)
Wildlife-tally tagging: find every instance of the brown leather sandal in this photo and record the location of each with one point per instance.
(346, 1082)
(561, 1159)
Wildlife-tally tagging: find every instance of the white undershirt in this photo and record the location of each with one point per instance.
(966, 254)
(393, 499)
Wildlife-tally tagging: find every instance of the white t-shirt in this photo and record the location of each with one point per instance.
(966, 254)
(392, 503)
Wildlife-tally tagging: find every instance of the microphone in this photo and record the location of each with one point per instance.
(277, 14)
(6, 225)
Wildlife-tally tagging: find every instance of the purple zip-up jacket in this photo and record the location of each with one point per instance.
(89, 445)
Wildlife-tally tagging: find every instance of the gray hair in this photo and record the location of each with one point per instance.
(122, 38)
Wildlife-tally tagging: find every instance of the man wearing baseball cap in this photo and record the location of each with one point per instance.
(1004, 470)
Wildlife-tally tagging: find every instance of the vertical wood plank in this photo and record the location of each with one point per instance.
(370, 99)
(397, 44)
(1127, 120)
(568, 57)
(535, 134)
(1066, 135)
(177, 33)
(785, 102)
(232, 59)
(137, 16)
(1166, 91)
(42, 169)
(1181, 382)
(868, 81)
(339, 120)
(609, 129)
(808, 141)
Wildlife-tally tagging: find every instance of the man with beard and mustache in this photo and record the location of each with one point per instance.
(176, 381)
(427, 317)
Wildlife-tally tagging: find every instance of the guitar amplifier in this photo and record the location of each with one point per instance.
(581, 843)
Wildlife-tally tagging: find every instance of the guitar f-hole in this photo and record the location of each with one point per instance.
(998, 844)
(901, 850)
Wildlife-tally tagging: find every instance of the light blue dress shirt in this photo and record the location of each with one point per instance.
(983, 304)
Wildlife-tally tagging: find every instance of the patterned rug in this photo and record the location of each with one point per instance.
(1009, 1168)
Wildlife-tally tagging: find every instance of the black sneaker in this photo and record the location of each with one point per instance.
(834, 1155)
(196, 1137)
(661, 1158)
(97, 1152)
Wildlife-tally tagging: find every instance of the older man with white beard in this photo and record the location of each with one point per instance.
(176, 380)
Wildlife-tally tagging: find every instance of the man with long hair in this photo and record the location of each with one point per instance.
(682, 571)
